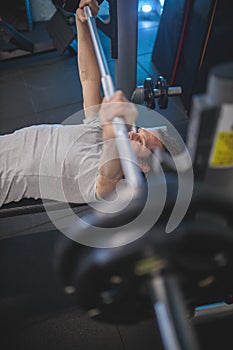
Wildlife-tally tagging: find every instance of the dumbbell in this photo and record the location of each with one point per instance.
(150, 91)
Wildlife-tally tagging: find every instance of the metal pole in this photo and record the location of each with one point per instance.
(164, 318)
(126, 63)
(176, 334)
(126, 154)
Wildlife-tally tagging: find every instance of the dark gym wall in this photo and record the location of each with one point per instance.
(168, 36)
(14, 12)
(194, 35)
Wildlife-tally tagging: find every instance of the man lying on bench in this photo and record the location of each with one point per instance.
(73, 163)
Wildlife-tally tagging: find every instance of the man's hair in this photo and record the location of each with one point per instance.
(168, 141)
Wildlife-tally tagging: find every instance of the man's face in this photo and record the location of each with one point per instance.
(144, 142)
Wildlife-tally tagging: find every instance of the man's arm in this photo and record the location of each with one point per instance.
(110, 171)
(87, 64)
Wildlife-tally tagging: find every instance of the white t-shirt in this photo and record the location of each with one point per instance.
(56, 162)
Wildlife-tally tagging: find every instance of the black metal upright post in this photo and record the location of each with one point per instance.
(126, 63)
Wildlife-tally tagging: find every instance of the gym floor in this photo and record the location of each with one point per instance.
(35, 314)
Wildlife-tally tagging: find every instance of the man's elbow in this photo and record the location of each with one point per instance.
(105, 186)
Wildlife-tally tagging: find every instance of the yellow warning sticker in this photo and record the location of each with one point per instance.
(222, 154)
